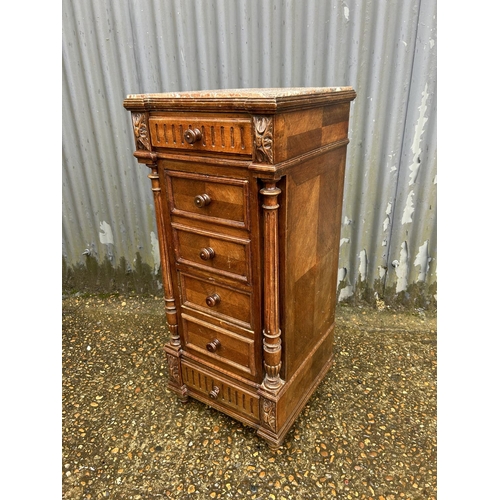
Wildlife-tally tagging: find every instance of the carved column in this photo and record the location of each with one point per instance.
(145, 155)
(170, 309)
(272, 332)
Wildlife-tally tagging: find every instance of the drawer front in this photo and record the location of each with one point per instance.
(219, 254)
(222, 346)
(203, 197)
(218, 300)
(220, 391)
(197, 133)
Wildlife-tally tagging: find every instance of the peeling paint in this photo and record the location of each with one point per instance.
(402, 269)
(422, 259)
(409, 209)
(431, 43)
(347, 221)
(344, 240)
(346, 292)
(382, 272)
(387, 219)
(346, 12)
(341, 275)
(155, 252)
(419, 130)
(363, 264)
(105, 234)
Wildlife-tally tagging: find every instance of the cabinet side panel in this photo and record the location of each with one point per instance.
(314, 208)
(298, 132)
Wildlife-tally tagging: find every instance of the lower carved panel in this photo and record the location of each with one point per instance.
(221, 392)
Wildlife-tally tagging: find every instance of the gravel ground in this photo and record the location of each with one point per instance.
(368, 432)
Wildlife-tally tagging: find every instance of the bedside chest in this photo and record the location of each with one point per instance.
(248, 189)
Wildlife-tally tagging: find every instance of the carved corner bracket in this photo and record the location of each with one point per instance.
(173, 369)
(263, 143)
(141, 131)
(268, 413)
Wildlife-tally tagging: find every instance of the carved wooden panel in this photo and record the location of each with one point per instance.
(141, 131)
(227, 394)
(222, 135)
(263, 131)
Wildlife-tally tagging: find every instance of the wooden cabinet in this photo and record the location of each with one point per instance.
(248, 191)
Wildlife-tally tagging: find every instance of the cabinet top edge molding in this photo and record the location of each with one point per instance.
(256, 100)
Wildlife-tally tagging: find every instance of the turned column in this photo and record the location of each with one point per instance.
(271, 332)
(170, 309)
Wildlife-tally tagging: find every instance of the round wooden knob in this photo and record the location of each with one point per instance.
(192, 135)
(214, 345)
(202, 200)
(212, 300)
(207, 253)
(214, 392)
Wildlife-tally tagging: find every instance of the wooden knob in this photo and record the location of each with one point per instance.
(214, 392)
(202, 200)
(207, 253)
(214, 345)
(212, 300)
(192, 135)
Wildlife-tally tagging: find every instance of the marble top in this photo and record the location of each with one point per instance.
(248, 99)
(251, 93)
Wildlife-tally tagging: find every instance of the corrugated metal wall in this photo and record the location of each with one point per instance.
(386, 50)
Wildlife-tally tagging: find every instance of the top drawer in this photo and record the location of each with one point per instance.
(231, 135)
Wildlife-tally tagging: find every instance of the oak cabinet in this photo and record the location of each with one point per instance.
(248, 188)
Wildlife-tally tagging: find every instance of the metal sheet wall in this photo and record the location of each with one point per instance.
(385, 49)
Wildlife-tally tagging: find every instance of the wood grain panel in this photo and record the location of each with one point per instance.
(233, 349)
(299, 132)
(302, 237)
(235, 305)
(232, 255)
(314, 205)
(228, 203)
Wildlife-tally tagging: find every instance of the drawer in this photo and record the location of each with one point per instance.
(218, 300)
(227, 134)
(219, 391)
(221, 345)
(203, 197)
(225, 255)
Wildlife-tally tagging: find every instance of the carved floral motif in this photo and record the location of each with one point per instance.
(269, 413)
(141, 131)
(173, 368)
(263, 138)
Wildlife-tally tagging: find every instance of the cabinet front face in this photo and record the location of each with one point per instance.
(248, 195)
